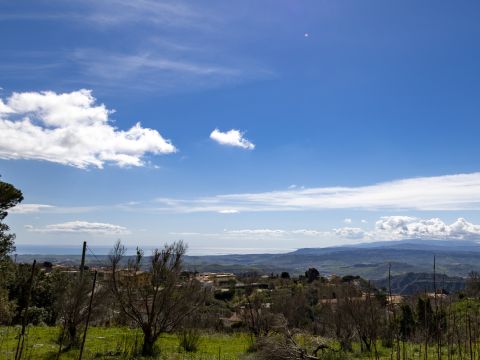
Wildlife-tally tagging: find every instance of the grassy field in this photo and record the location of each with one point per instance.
(117, 343)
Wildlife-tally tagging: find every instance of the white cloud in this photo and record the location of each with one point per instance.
(350, 233)
(407, 227)
(461, 228)
(449, 192)
(347, 221)
(4, 109)
(386, 228)
(71, 129)
(229, 211)
(82, 227)
(288, 234)
(435, 228)
(29, 208)
(191, 233)
(232, 138)
(309, 232)
(363, 221)
(261, 232)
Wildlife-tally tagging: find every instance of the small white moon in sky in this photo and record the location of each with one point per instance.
(306, 34)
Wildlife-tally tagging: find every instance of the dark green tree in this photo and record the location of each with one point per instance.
(9, 197)
(472, 286)
(407, 322)
(425, 316)
(43, 296)
(312, 274)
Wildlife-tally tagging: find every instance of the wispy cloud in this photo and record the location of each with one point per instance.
(26, 208)
(30, 208)
(161, 57)
(82, 227)
(121, 65)
(110, 13)
(157, 69)
(260, 232)
(154, 12)
(442, 193)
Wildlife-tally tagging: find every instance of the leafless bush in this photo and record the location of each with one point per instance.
(156, 300)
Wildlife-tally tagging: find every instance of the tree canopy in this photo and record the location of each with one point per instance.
(9, 197)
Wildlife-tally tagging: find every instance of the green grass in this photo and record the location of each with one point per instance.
(118, 343)
(411, 351)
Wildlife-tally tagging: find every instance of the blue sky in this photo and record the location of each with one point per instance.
(336, 122)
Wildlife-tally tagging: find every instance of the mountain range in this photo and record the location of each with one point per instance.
(369, 260)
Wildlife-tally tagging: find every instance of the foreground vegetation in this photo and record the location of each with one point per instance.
(124, 343)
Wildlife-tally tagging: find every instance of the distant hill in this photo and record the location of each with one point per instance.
(370, 260)
(411, 244)
(417, 283)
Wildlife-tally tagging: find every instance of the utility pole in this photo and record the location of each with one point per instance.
(434, 280)
(82, 262)
(76, 304)
(88, 316)
(437, 324)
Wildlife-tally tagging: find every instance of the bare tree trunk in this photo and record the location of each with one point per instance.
(148, 347)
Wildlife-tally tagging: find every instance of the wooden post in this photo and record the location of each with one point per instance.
(82, 262)
(88, 315)
(390, 306)
(425, 323)
(21, 338)
(75, 310)
(470, 337)
(437, 323)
